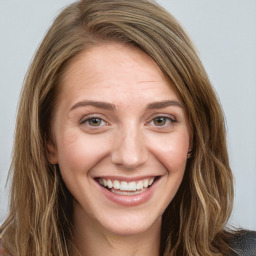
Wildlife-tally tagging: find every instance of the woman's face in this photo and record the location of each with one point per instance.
(121, 139)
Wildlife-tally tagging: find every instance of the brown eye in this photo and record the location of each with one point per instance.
(95, 122)
(160, 121)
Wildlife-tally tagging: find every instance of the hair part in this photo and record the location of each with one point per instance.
(39, 222)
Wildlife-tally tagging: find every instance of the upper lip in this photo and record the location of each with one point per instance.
(128, 179)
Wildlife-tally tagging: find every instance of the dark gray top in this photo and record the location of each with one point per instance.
(244, 243)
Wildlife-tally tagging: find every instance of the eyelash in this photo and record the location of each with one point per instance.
(168, 120)
(90, 118)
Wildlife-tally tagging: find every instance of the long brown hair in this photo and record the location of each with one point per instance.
(41, 206)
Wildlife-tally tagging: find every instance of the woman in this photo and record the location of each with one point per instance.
(120, 141)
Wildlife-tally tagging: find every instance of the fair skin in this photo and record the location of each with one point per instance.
(121, 140)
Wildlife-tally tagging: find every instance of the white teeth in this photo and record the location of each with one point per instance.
(126, 186)
(126, 193)
(116, 184)
(110, 184)
(132, 186)
(140, 185)
(145, 183)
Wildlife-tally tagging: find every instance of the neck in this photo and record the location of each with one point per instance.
(92, 240)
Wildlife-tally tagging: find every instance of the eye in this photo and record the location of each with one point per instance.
(160, 121)
(93, 122)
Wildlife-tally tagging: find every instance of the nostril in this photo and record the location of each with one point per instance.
(129, 159)
(130, 150)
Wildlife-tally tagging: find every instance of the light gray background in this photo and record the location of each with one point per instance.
(224, 33)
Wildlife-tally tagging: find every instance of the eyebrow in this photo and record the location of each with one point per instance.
(109, 106)
(97, 104)
(163, 104)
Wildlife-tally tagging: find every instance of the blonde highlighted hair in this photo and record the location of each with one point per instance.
(39, 221)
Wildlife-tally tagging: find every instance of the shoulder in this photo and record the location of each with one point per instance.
(243, 242)
(2, 249)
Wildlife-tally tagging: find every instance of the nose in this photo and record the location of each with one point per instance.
(129, 149)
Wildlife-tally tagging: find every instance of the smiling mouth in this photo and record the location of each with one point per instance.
(127, 188)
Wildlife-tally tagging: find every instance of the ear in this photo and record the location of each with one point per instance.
(52, 153)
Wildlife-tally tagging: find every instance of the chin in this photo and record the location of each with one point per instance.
(131, 225)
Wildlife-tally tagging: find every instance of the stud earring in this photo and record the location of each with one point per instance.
(189, 154)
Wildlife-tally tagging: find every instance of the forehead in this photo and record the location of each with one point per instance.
(114, 69)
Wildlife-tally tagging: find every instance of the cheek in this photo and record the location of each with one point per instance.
(171, 150)
(79, 152)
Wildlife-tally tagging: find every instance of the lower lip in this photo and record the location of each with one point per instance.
(132, 200)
